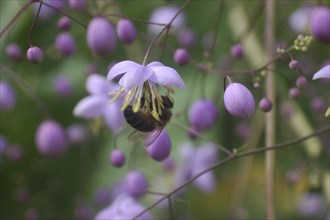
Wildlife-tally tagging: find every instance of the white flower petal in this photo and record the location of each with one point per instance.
(135, 77)
(323, 73)
(167, 76)
(97, 85)
(122, 68)
(155, 63)
(113, 117)
(90, 107)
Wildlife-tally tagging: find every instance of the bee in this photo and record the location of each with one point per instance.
(146, 127)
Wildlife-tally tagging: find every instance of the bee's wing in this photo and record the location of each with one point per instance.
(137, 136)
(152, 136)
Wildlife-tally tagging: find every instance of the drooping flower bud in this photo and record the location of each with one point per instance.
(318, 104)
(77, 133)
(14, 152)
(126, 31)
(265, 105)
(181, 56)
(7, 97)
(117, 158)
(236, 51)
(160, 149)
(65, 44)
(64, 23)
(14, 52)
(320, 23)
(3, 144)
(293, 64)
(301, 81)
(78, 5)
(62, 86)
(185, 37)
(51, 139)
(294, 93)
(202, 115)
(239, 100)
(135, 183)
(35, 55)
(101, 37)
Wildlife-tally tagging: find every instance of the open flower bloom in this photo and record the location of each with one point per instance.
(139, 84)
(322, 73)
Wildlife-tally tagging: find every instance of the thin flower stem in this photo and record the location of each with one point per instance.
(11, 22)
(27, 89)
(233, 157)
(34, 23)
(186, 128)
(162, 31)
(170, 205)
(270, 116)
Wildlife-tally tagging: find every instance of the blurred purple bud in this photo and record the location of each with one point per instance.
(14, 52)
(7, 97)
(185, 37)
(299, 19)
(35, 55)
(293, 64)
(239, 100)
(202, 114)
(64, 23)
(65, 44)
(126, 31)
(294, 93)
(163, 15)
(243, 130)
(62, 86)
(160, 149)
(324, 72)
(101, 37)
(181, 56)
(301, 81)
(14, 152)
(135, 183)
(320, 23)
(78, 5)
(77, 133)
(31, 214)
(286, 110)
(47, 12)
(102, 197)
(3, 144)
(168, 164)
(237, 51)
(265, 105)
(318, 105)
(117, 158)
(22, 194)
(311, 205)
(51, 139)
(292, 176)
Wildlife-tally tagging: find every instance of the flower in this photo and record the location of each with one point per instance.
(124, 207)
(195, 161)
(97, 105)
(239, 100)
(323, 73)
(139, 83)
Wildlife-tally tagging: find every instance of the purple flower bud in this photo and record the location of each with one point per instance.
(102, 196)
(3, 144)
(236, 51)
(318, 105)
(35, 55)
(51, 139)
(14, 52)
(126, 31)
(239, 100)
(160, 149)
(78, 5)
(101, 37)
(31, 214)
(7, 97)
(117, 158)
(77, 133)
(47, 12)
(64, 23)
(14, 152)
(301, 81)
(311, 204)
(202, 114)
(135, 183)
(320, 23)
(293, 64)
(294, 93)
(22, 194)
(185, 38)
(62, 86)
(243, 130)
(181, 56)
(265, 105)
(65, 44)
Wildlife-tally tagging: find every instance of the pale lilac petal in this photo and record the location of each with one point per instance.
(113, 117)
(323, 73)
(135, 77)
(97, 85)
(122, 68)
(206, 155)
(206, 182)
(90, 107)
(167, 76)
(155, 63)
